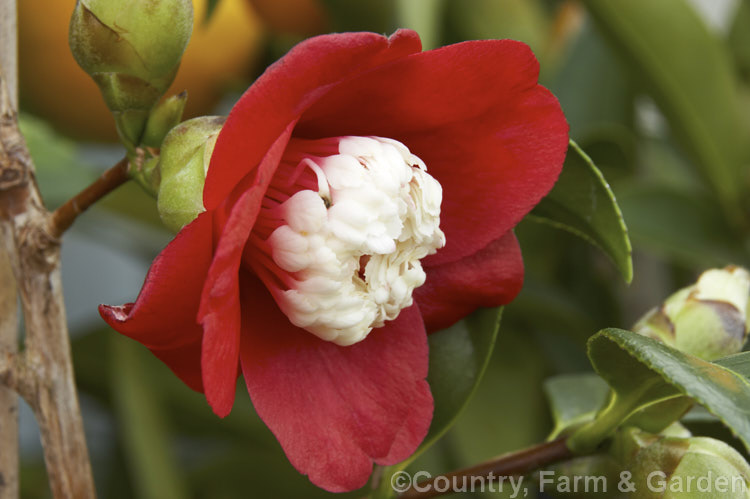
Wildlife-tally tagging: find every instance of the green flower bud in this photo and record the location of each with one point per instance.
(183, 164)
(132, 50)
(668, 467)
(597, 475)
(628, 442)
(165, 116)
(708, 319)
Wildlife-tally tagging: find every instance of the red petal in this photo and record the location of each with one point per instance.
(475, 114)
(336, 409)
(490, 277)
(219, 360)
(284, 91)
(219, 311)
(164, 314)
(185, 362)
(414, 428)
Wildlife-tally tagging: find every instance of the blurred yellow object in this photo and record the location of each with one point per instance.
(54, 87)
(299, 17)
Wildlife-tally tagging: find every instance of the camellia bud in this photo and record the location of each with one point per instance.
(182, 167)
(668, 467)
(164, 116)
(708, 319)
(132, 50)
(598, 475)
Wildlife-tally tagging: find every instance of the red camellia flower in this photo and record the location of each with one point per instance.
(360, 195)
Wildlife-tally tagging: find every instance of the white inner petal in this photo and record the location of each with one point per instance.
(351, 245)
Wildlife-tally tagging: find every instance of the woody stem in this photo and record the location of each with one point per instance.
(65, 215)
(513, 464)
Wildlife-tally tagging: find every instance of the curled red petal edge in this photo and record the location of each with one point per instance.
(163, 315)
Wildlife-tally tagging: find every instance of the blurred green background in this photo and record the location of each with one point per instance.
(657, 93)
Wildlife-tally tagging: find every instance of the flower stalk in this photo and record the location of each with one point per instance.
(514, 464)
(65, 215)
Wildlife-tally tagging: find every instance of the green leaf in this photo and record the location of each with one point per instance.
(458, 359)
(643, 372)
(145, 437)
(739, 363)
(657, 416)
(574, 399)
(689, 73)
(582, 203)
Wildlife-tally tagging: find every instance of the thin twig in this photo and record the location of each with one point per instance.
(65, 215)
(513, 464)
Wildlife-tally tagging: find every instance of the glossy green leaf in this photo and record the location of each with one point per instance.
(574, 399)
(656, 417)
(458, 359)
(739, 363)
(582, 203)
(643, 372)
(155, 472)
(689, 73)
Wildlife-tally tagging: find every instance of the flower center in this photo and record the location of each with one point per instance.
(341, 232)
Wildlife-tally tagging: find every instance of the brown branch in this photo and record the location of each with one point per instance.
(65, 215)
(9, 469)
(8, 48)
(9, 483)
(513, 464)
(15, 376)
(43, 372)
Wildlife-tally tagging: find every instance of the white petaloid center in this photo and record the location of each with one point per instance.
(345, 223)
